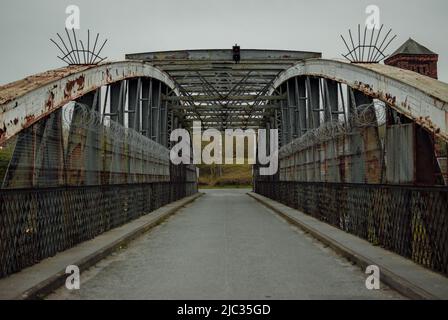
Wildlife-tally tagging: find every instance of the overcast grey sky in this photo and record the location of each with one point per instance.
(153, 25)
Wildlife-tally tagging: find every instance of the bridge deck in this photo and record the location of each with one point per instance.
(224, 246)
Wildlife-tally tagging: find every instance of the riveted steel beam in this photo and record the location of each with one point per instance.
(25, 102)
(419, 98)
(223, 55)
(210, 98)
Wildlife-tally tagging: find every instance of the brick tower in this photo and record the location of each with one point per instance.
(415, 57)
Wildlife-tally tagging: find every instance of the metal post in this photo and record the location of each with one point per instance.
(313, 105)
(134, 88)
(146, 106)
(117, 101)
(301, 103)
(92, 150)
(284, 115)
(291, 109)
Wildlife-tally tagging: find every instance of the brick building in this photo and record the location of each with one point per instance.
(415, 57)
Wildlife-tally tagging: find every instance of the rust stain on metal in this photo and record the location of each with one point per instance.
(404, 107)
(2, 132)
(108, 76)
(79, 82)
(50, 101)
(446, 118)
(386, 97)
(13, 90)
(390, 99)
(29, 120)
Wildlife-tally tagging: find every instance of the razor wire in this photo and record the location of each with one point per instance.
(366, 115)
(116, 133)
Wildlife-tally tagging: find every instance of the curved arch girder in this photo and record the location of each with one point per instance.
(25, 102)
(420, 98)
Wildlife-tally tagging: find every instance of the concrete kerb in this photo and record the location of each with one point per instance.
(46, 286)
(388, 277)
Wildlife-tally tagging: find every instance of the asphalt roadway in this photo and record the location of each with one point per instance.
(225, 245)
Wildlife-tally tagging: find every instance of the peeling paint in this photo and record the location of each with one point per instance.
(409, 95)
(50, 101)
(108, 76)
(79, 82)
(28, 100)
(446, 119)
(2, 132)
(29, 120)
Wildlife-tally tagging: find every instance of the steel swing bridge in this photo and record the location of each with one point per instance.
(363, 146)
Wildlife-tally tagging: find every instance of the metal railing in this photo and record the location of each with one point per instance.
(38, 223)
(411, 221)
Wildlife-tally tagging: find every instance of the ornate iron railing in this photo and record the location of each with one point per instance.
(38, 223)
(411, 221)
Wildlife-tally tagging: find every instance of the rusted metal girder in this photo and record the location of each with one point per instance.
(228, 108)
(215, 67)
(420, 98)
(204, 98)
(25, 102)
(222, 55)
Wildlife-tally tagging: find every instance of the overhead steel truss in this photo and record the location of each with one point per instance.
(213, 87)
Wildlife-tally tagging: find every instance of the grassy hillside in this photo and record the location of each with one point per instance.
(231, 175)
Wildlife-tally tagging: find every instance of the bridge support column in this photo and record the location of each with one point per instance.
(313, 106)
(365, 146)
(411, 153)
(313, 95)
(164, 119)
(38, 158)
(292, 110)
(119, 166)
(301, 103)
(146, 105)
(331, 114)
(285, 122)
(155, 111)
(84, 148)
(118, 101)
(135, 165)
